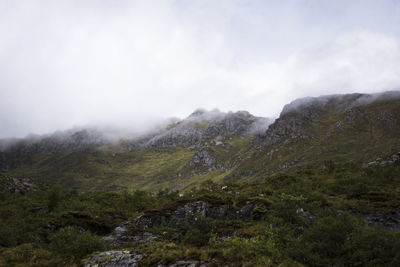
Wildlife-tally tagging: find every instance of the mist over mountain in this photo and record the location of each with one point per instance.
(293, 158)
(101, 63)
(309, 130)
(338, 154)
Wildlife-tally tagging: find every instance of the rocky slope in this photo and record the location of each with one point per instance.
(170, 157)
(322, 131)
(318, 187)
(354, 128)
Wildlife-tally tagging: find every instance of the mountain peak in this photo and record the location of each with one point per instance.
(336, 102)
(198, 112)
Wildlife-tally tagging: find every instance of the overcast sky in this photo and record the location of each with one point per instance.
(71, 63)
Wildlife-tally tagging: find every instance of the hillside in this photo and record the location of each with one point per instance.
(205, 145)
(318, 186)
(214, 145)
(326, 130)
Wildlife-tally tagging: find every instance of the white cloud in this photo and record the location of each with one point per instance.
(65, 63)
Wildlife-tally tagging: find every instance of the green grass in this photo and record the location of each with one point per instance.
(70, 231)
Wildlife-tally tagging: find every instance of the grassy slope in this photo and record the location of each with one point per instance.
(110, 168)
(368, 139)
(364, 139)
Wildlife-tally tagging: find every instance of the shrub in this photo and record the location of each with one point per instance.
(27, 255)
(198, 230)
(70, 242)
(323, 243)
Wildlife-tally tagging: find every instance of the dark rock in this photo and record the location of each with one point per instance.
(187, 264)
(177, 136)
(124, 235)
(389, 220)
(148, 221)
(18, 185)
(203, 125)
(245, 211)
(305, 214)
(115, 258)
(201, 158)
(198, 207)
(177, 217)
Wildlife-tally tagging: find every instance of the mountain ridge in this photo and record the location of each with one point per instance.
(318, 187)
(215, 145)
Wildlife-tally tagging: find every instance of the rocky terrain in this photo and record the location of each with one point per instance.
(317, 186)
(354, 128)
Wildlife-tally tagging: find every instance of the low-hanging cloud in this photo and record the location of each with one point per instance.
(130, 63)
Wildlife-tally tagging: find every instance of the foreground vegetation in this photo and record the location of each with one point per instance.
(310, 217)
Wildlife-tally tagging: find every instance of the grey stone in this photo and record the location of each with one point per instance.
(121, 235)
(115, 258)
(178, 217)
(185, 264)
(389, 220)
(305, 214)
(201, 158)
(148, 221)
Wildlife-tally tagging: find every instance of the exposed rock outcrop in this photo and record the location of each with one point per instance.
(115, 258)
(177, 217)
(185, 264)
(202, 158)
(295, 121)
(389, 220)
(202, 125)
(124, 235)
(383, 162)
(17, 185)
(125, 258)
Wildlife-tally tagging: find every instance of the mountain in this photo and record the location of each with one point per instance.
(181, 154)
(319, 131)
(318, 186)
(354, 128)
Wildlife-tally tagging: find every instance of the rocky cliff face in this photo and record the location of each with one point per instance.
(353, 127)
(351, 111)
(194, 131)
(203, 125)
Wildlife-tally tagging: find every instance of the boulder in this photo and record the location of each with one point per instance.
(178, 217)
(148, 221)
(123, 235)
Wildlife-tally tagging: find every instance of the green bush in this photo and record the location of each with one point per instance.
(323, 243)
(197, 230)
(70, 242)
(373, 247)
(7, 236)
(27, 255)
